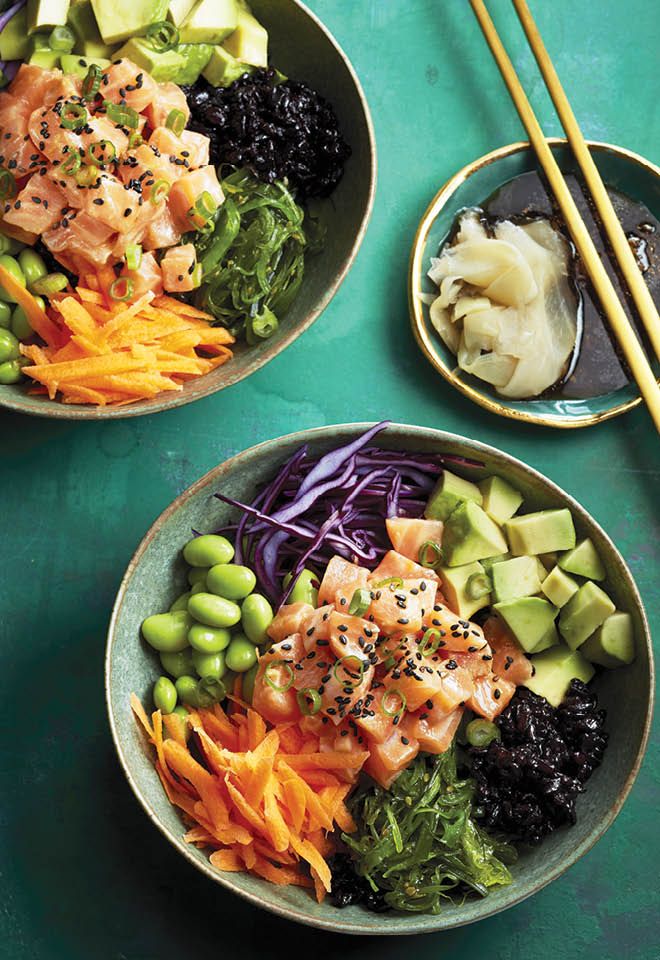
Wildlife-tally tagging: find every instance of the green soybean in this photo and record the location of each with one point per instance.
(207, 550)
(197, 575)
(181, 603)
(247, 687)
(230, 580)
(241, 654)
(303, 591)
(210, 690)
(167, 632)
(32, 265)
(5, 315)
(186, 688)
(20, 325)
(208, 639)
(199, 587)
(209, 665)
(214, 611)
(13, 267)
(256, 617)
(11, 371)
(165, 695)
(9, 346)
(181, 711)
(178, 664)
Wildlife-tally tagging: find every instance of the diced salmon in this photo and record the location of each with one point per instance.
(347, 634)
(161, 232)
(82, 237)
(388, 759)
(61, 87)
(31, 84)
(166, 97)
(490, 696)
(316, 627)
(107, 200)
(15, 117)
(143, 166)
(190, 150)
(432, 730)
(198, 146)
(395, 564)
(509, 659)
(147, 278)
(289, 619)
(101, 128)
(408, 535)
(395, 608)
(344, 690)
(456, 634)
(40, 204)
(416, 678)
(341, 576)
(373, 720)
(124, 80)
(278, 705)
(456, 687)
(178, 267)
(187, 190)
(50, 137)
(476, 664)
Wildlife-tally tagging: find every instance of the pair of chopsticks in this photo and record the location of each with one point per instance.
(614, 311)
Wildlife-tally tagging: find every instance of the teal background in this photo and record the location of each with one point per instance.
(84, 874)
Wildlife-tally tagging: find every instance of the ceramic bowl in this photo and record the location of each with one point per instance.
(621, 169)
(302, 47)
(156, 576)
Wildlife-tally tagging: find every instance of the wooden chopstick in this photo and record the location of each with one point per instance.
(633, 276)
(618, 320)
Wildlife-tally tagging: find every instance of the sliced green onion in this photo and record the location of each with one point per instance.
(360, 602)
(212, 687)
(133, 256)
(51, 283)
(92, 82)
(262, 326)
(163, 36)
(73, 116)
(309, 701)
(159, 191)
(122, 116)
(106, 147)
(86, 176)
(135, 140)
(478, 586)
(8, 187)
(121, 289)
(400, 707)
(72, 164)
(430, 642)
(196, 277)
(203, 209)
(480, 733)
(394, 583)
(280, 688)
(176, 121)
(62, 40)
(351, 681)
(430, 553)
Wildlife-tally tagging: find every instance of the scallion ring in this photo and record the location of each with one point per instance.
(159, 191)
(480, 733)
(430, 554)
(352, 681)
(86, 176)
(7, 184)
(133, 256)
(73, 116)
(163, 36)
(360, 602)
(276, 664)
(121, 289)
(202, 210)
(394, 583)
(122, 116)
(309, 701)
(72, 164)
(108, 153)
(196, 278)
(400, 708)
(478, 586)
(430, 642)
(92, 82)
(51, 283)
(176, 121)
(135, 140)
(263, 325)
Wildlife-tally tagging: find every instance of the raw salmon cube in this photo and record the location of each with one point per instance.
(433, 731)
(126, 81)
(188, 189)
(397, 608)
(161, 232)
(347, 635)
(395, 564)
(373, 720)
(290, 618)
(166, 97)
(39, 206)
(341, 577)
(147, 278)
(408, 535)
(509, 658)
(491, 695)
(388, 759)
(31, 83)
(178, 268)
(317, 628)
(457, 635)
(198, 146)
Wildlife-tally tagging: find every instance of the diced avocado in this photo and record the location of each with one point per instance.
(549, 639)
(162, 65)
(14, 40)
(542, 572)
(249, 41)
(196, 56)
(489, 562)
(46, 59)
(448, 492)
(78, 66)
(46, 14)
(583, 561)
(559, 587)
(528, 619)
(500, 499)
(469, 535)
(222, 69)
(515, 578)
(549, 560)
(584, 613)
(613, 644)
(83, 23)
(463, 586)
(210, 21)
(179, 10)
(553, 671)
(118, 20)
(541, 532)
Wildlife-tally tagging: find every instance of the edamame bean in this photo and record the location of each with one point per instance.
(214, 611)
(178, 664)
(184, 726)
(167, 632)
(210, 691)
(209, 665)
(20, 325)
(11, 372)
(230, 580)
(186, 688)
(165, 695)
(13, 267)
(256, 617)
(181, 711)
(181, 603)
(197, 575)
(13, 246)
(241, 654)
(32, 265)
(5, 315)
(303, 591)
(199, 587)
(208, 639)
(9, 346)
(207, 550)
(247, 687)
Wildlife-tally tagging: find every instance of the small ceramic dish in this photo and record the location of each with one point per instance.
(302, 47)
(155, 576)
(621, 169)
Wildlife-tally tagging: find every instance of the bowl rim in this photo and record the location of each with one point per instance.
(405, 925)
(425, 340)
(57, 410)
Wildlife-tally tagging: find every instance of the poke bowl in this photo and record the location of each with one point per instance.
(202, 771)
(272, 225)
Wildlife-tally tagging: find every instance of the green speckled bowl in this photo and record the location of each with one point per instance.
(305, 50)
(156, 575)
(625, 171)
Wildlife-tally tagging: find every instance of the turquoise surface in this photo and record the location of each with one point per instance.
(84, 873)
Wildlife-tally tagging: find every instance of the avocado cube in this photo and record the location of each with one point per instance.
(46, 14)
(210, 21)
(549, 560)
(549, 639)
(518, 577)
(14, 41)
(448, 493)
(46, 59)
(528, 619)
(249, 41)
(559, 587)
(470, 535)
(83, 23)
(584, 613)
(489, 562)
(77, 66)
(541, 532)
(162, 65)
(118, 20)
(613, 643)
(583, 561)
(553, 671)
(462, 587)
(500, 499)
(195, 57)
(179, 10)
(222, 69)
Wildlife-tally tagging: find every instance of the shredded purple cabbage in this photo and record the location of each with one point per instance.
(335, 504)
